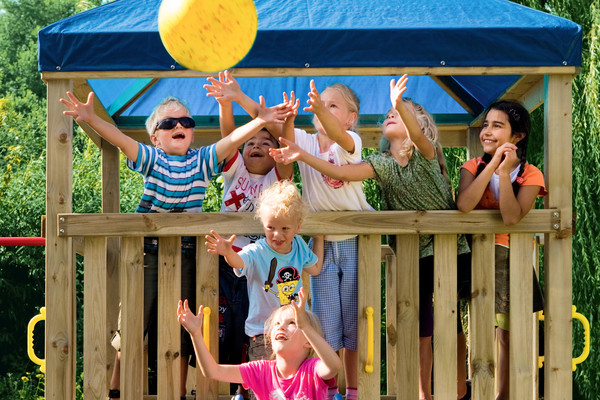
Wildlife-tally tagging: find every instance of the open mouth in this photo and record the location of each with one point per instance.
(280, 337)
(179, 136)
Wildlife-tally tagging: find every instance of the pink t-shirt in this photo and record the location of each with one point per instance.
(261, 376)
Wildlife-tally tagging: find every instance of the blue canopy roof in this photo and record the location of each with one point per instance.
(123, 36)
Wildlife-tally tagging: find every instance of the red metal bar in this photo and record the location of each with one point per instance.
(22, 241)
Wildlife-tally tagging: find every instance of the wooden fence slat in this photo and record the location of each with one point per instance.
(521, 300)
(407, 316)
(445, 315)
(369, 295)
(207, 294)
(481, 329)
(132, 321)
(169, 339)
(391, 322)
(95, 326)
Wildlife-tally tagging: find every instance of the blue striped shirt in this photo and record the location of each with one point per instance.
(174, 183)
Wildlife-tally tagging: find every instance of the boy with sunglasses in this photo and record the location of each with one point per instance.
(175, 180)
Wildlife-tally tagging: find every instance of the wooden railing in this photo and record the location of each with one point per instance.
(402, 338)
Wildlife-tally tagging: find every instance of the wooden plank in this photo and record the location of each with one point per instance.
(481, 332)
(391, 320)
(521, 300)
(445, 315)
(407, 311)
(207, 294)
(335, 222)
(369, 298)
(558, 247)
(132, 321)
(60, 338)
(110, 204)
(169, 340)
(348, 71)
(95, 332)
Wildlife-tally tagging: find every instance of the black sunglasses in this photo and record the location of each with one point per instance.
(170, 123)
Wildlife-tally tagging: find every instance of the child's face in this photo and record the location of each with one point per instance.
(279, 230)
(177, 140)
(256, 153)
(496, 131)
(285, 335)
(393, 127)
(336, 104)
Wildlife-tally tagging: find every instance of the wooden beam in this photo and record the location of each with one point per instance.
(60, 338)
(349, 71)
(558, 246)
(335, 222)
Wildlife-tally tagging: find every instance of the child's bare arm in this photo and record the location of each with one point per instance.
(210, 368)
(330, 363)
(224, 247)
(348, 172)
(333, 127)
(233, 141)
(423, 145)
(317, 248)
(84, 112)
(286, 170)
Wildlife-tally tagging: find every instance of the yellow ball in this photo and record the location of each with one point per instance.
(207, 35)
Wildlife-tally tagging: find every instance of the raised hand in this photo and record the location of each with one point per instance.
(219, 245)
(315, 104)
(276, 114)
(397, 89)
(223, 89)
(292, 103)
(78, 110)
(192, 323)
(299, 308)
(288, 154)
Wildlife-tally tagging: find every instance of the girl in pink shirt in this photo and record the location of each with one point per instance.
(293, 374)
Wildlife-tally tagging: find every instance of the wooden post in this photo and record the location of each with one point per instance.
(474, 148)
(132, 321)
(60, 269)
(369, 296)
(207, 294)
(407, 285)
(558, 246)
(391, 320)
(169, 338)
(521, 300)
(445, 315)
(95, 343)
(481, 333)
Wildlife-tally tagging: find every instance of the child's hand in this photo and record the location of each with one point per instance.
(300, 310)
(223, 89)
(218, 244)
(276, 114)
(288, 154)
(315, 104)
(79, 111)
(498, 161)
(293, 104)
(192, 323)
(397, 89)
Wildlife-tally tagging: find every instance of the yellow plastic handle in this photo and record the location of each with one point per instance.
(206, 327)
(586, 339)
(40, 317)
(370, 340)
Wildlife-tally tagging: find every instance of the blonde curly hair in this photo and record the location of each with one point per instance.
(313, 321)
(282, 198)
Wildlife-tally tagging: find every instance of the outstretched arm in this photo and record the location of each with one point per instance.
(347, 172)
(334, 129)
(224, 247)
(84, 112)
(330, 363)
(416, 135)
(210, 368)
(232, 142)
(286, 170)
